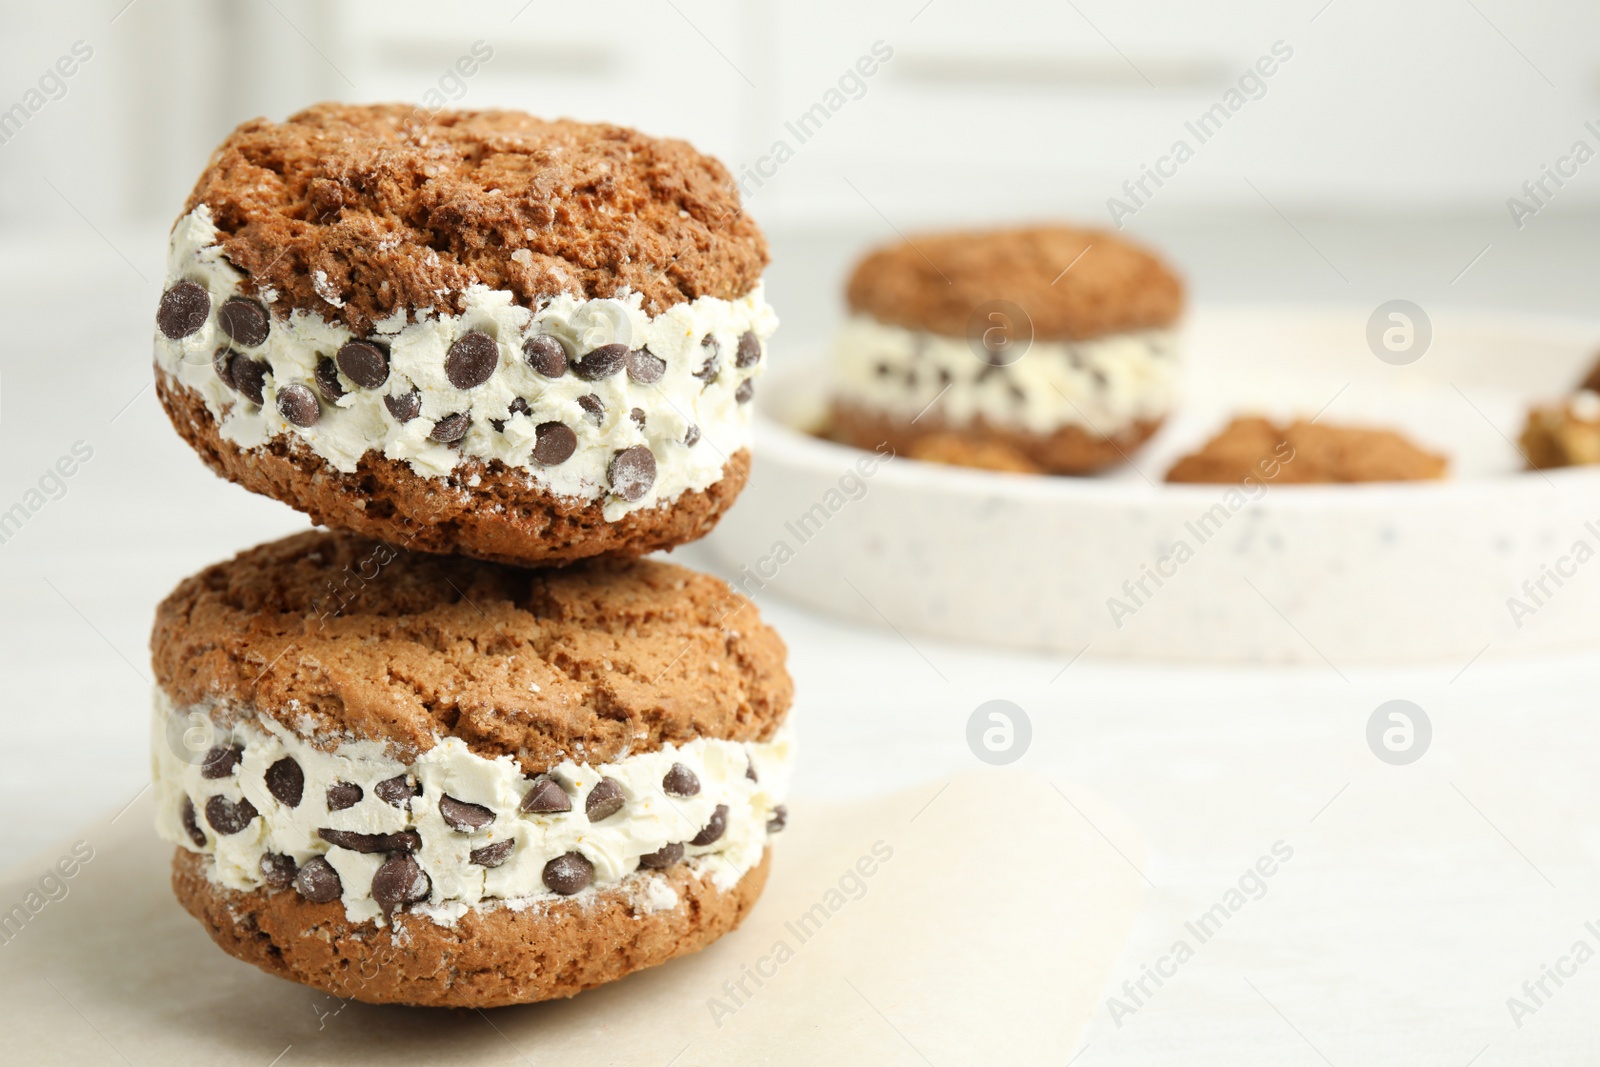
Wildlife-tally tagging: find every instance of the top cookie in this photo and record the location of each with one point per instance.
(933, 283)
(353, 212)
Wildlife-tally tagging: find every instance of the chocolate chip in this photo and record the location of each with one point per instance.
(343, 795)
(229, 817)
(328, 383)
(462, 816)
(220, 761)
(249, 376)
(554, 443)
(750, 768)
(364, 363)
(451, 428)
(545, 797)
(594, 407)
(191, 825)
(318, 882)
(680, 781)
(746, 390)
(404, 407)
(546, 355)
(299, 405)
(632, 472)
(401, 880)
(518, 406)
(714, 829)
(749, 351)
(183, 310)
(244, 320)
(604, 800)
(779, 819)
(603, 362)
(286, 782)
(222, 363)
(471, 360)
(691, 436)
(637, 415)
(398, 790)
(645, 366)
(355, 841)
(492, 855)
(277, 870)
(662, 858)
(713, 361)
(569, 873)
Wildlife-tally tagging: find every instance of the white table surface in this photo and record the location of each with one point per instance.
(1419, 897)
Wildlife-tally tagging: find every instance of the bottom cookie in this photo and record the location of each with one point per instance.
(490, 957)
(1068, 450)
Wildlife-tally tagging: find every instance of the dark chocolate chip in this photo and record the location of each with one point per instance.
(746, 390)
(328, 383)
(779, 819)
(714, 829)
(220, 761)
(518, 406)
(492, 855)
(364, 363)
(593, 406)
(546, 355)
(645, 366)
(404, 407)
(355, 841)
(632, 472)
(286, 782)
(191, 825)
(749, 351)
(554, 443)
(401, 880)
(462, 816)
(637, 415)
(471, 360)
(451, 428)
(604, 800)
(277, 870)
(398, 790)
(249, 376)
(680, 781)
(299, 405)
(545, 797)
(750, 768)
(662, 858)
(318, 882)
(713, 361)
(343, 795)
(183, 310)
(244, 320)
(884, 370)
(603, 362)
(227, 816)
(691, 436)
(569, 873)
(222, 363)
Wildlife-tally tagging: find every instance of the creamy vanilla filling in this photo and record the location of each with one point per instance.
(1102, 385)
(199, 800)
(692, 417)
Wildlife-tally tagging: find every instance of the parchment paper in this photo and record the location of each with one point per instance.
(987, 936)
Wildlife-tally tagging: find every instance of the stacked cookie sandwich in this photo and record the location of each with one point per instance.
(466, 748)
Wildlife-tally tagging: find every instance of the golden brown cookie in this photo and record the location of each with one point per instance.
(1563, 434)
(1055, 344)
(481, 767)
(480, 331)
(1304, 453)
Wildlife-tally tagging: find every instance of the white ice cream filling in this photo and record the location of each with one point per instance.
(692, 425)
(1102, 385)
(650, 818)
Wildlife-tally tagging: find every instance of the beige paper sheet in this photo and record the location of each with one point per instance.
(987, 937)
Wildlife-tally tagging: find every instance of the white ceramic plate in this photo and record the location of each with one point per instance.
(1286, 574)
